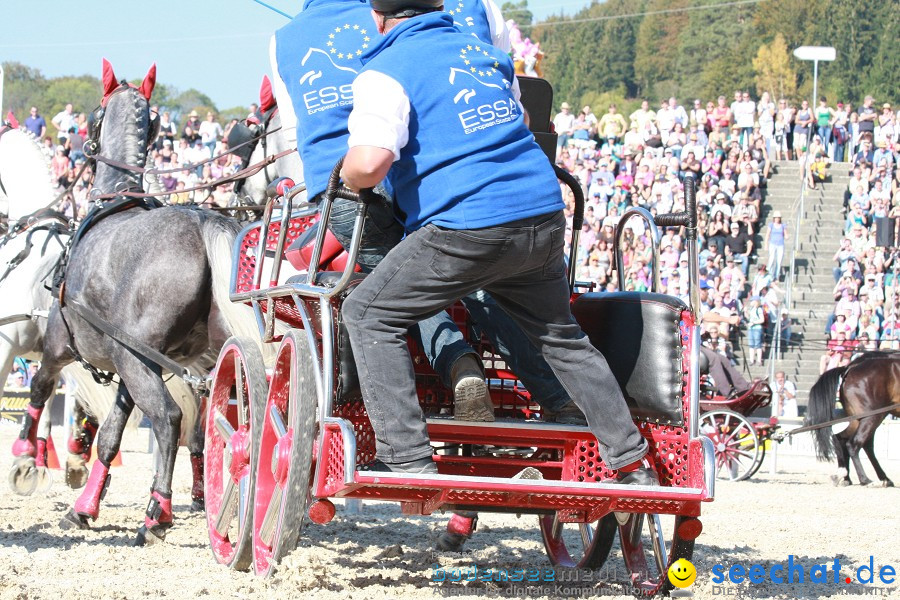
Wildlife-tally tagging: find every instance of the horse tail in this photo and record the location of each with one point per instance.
(219, 234)
(822, 398)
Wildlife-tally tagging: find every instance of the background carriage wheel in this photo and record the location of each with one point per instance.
(737, 447)
(647, 552)
(285, 464)
(581, 545)
(235, 407)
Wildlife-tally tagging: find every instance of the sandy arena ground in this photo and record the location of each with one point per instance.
(382, 554)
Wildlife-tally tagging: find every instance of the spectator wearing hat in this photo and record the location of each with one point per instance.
(883, 153)
(739, 246)
(774, 241)
(612, 126)
(564, 124)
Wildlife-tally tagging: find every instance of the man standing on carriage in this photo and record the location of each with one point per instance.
(312, 84)
(313, 73)
(473, 234)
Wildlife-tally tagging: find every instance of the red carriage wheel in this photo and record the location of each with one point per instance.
(646, 551)
(738, 450)
(285, 464)
(581, 545)
(235, 404)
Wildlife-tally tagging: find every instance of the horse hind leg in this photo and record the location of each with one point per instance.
(81, 439)
(855, 443)
(24, 477)
(869, 448)
(87, 507)
(842, 478)
(145, 383)
(196, 445)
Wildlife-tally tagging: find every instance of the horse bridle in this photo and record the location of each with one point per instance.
(91, 146)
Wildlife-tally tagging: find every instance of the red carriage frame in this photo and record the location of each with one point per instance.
(308, 442)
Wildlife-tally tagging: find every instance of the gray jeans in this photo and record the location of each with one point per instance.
(521, 265)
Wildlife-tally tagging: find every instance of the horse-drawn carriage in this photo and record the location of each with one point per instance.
(283, 444)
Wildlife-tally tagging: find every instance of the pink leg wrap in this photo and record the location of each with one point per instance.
(88, 504)
(197, 470)
(461, 525)
(40, 459)
(81, 440)
(159, 511)
(26, 444)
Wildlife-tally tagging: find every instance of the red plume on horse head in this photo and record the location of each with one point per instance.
(110, 84)
(266, 98)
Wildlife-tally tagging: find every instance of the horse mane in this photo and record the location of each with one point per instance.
(128, 140)
(26, 173)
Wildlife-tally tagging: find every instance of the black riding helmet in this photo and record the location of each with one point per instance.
(399, 9)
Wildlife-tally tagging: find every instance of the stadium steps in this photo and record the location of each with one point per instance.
(812, 302)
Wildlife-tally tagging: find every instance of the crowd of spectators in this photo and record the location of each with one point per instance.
(866, 302)
(641, 161)
(174, 148)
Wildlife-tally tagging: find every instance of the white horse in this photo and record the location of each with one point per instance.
(275, 140)
(28, 257)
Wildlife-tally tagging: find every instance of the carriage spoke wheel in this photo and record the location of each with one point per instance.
(581, 545)
(647, 551)
(285, 463)
(235, 402)
(737, 446)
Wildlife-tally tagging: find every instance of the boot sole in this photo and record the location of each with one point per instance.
(472, 401)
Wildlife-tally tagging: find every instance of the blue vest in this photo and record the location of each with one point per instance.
(469, 16)
(471, 161)
(318, 56)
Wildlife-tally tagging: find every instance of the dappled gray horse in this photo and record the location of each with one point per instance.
(160, 276)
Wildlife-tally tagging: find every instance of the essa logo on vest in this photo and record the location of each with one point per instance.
(345, 45)
(482, 68)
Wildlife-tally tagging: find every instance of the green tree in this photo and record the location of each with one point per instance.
(23, 88)
(656, 46)
(774, 70)
(518, 12)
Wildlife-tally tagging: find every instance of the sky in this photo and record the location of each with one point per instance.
(219, 47)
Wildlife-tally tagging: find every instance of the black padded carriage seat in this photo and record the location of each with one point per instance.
(639, 333)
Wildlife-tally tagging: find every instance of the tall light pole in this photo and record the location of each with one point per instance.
(815, 54)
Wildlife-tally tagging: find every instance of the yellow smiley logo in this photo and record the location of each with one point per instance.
(682, 573)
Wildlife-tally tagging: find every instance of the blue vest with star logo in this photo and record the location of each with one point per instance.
(318, 56)
(470, 161)
(469, 16)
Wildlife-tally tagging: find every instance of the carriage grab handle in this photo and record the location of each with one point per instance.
(336, 190)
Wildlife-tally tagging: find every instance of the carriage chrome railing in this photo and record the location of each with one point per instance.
(310, 288)
(687, 219)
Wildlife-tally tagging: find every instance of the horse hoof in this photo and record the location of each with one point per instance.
(44, 480)
(839, 481)
(198, 505)
(76, 472)
(23, 476)
(73, 520)
(885, 483)
(77, 477)
(152, 535)
(865, 482)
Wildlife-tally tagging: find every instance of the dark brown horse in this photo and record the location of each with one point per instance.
(869, 382)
